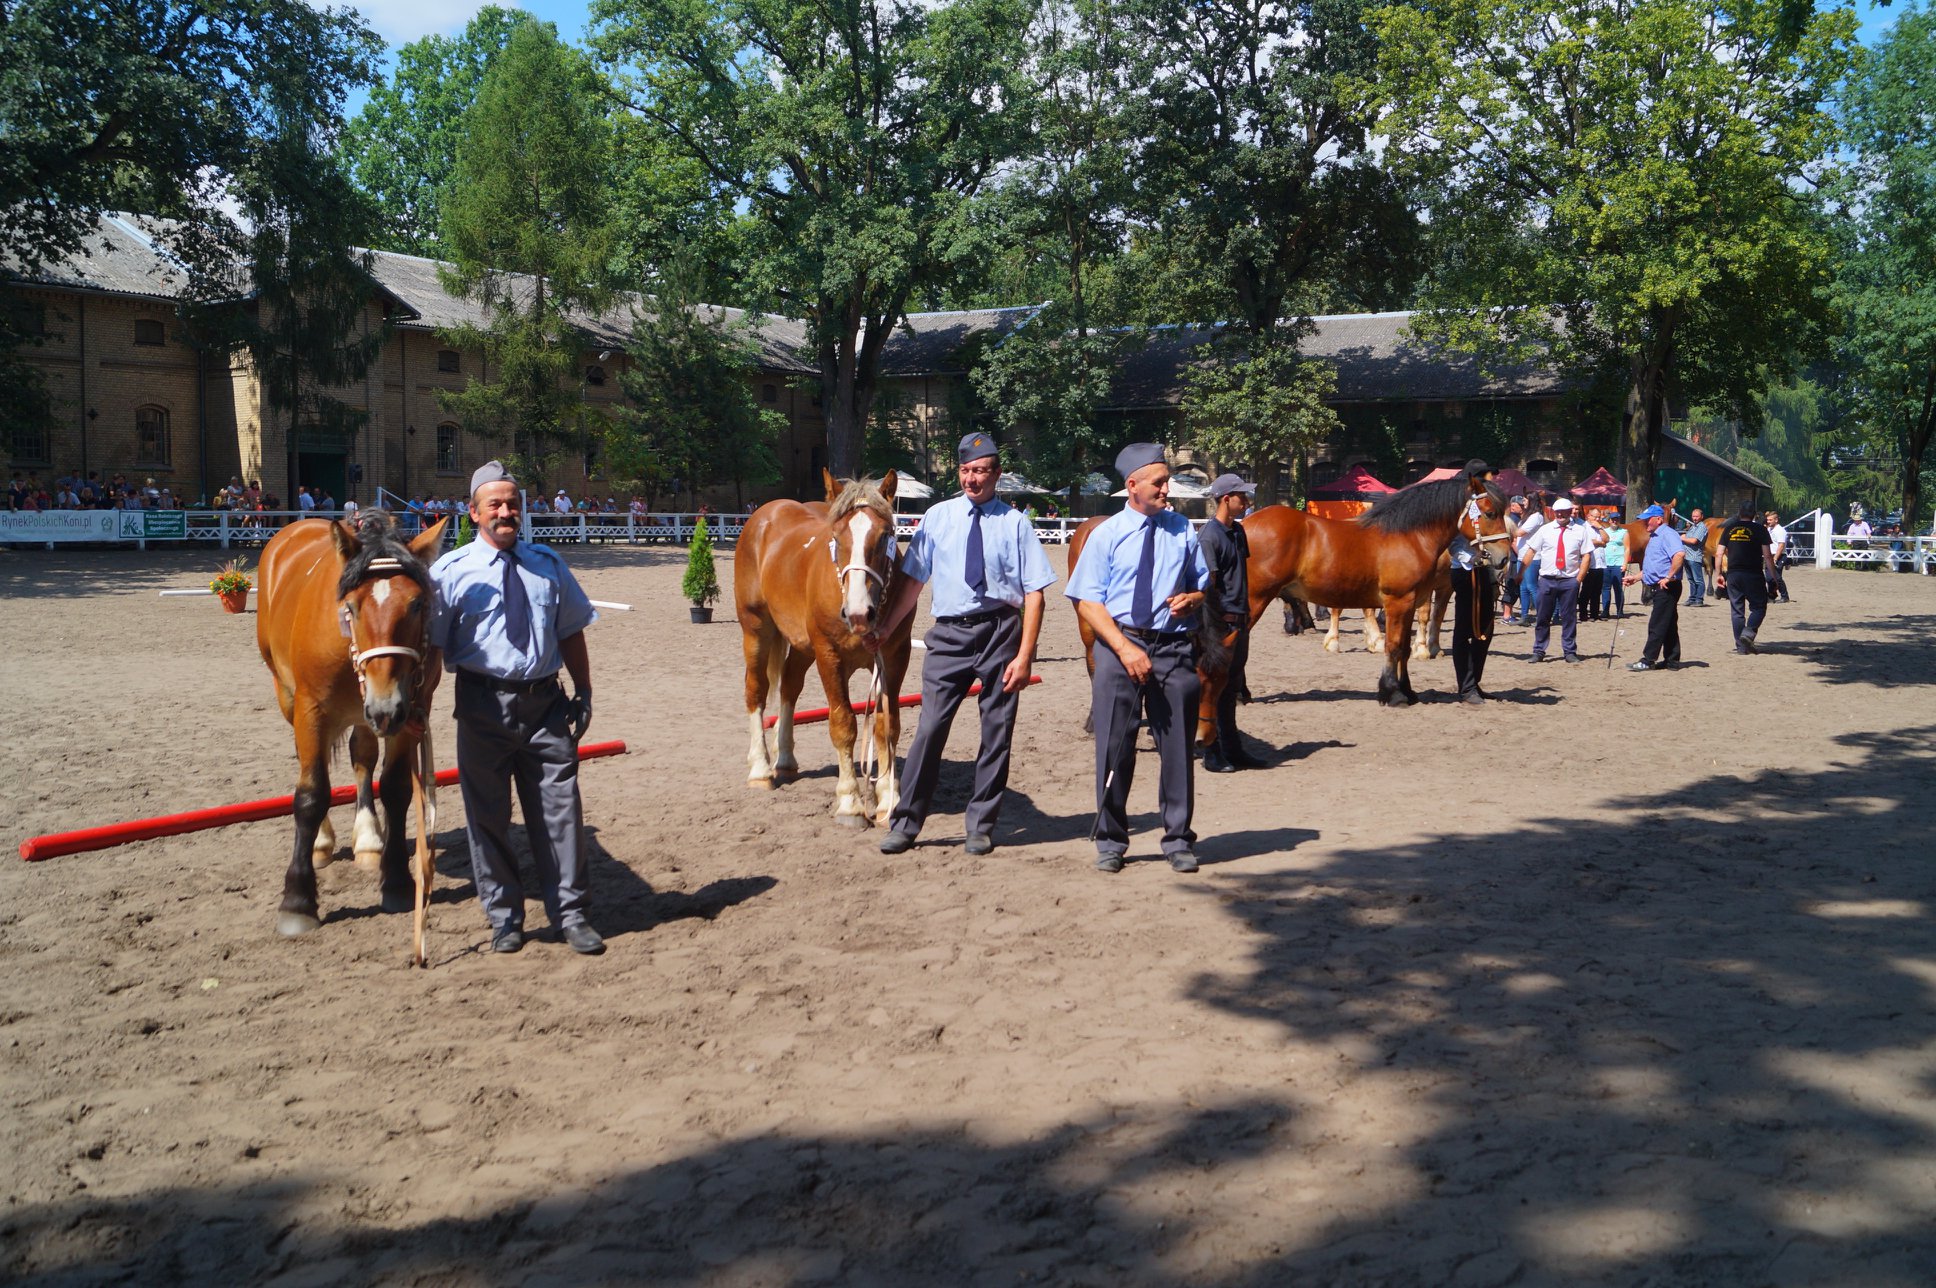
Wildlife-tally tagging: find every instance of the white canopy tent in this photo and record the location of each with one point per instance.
(1017, 485)
(1181, 489)
(909, 488)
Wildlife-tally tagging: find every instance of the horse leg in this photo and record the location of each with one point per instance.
(1374, 634)
(793, 678)
(762, 647)
(842, 729)
(399, 884)
(368, 841)
(887, 736)
(1331, 635)
(1441, 597)
(1089, 661)
(298, 914)
(1395, 684)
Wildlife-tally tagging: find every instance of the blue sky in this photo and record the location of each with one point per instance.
(401, 21)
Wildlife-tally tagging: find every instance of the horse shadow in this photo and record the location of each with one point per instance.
(623, 902)
(1228, 847)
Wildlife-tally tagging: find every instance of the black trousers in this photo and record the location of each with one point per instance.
(1747, 602)
(1227, 740)
(1664, 624)
(1117, 704)
(1590, 594)
(1472, 592)
(958, 654)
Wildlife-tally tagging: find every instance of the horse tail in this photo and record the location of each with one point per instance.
(775, 667)
(1213, 644)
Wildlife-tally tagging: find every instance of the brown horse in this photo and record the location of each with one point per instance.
(1386, 557)
(341, 624)
(810, 582)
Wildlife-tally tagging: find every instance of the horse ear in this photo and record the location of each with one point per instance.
(427, 544)
(345, 538)
(832, 483)
(888, 481)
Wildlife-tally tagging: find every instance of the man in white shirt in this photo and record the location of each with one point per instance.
(304, 501)
(1560, 547)
(561, 503)
(1778, 536)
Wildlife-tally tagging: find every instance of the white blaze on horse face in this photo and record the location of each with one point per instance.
(380, 591)
(857, 605)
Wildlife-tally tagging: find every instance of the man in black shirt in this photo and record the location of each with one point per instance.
(1225, 549)
(1748, 565)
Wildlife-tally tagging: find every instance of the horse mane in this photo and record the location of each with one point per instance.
(858, 494)
(377, 535)
(1424, 505)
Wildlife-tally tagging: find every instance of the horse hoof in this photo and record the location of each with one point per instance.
(291, 924)
(404, 900)
(785, 773)
(369, 860)
(760, 784)
(856, 821)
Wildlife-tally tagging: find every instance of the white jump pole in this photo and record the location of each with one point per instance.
(203, 591)
(606, 603)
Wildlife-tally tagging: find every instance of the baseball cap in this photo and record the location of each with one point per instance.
(1228, 483)
(1652, 512)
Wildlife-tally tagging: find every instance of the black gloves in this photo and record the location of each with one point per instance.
(578, 712)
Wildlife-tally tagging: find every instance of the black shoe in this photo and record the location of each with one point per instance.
(1747, 644)
(507, 940)
(1742, 649)
(1642, 665)
(1182, 861)
(1109, 863)
(1214, 763)
(1574, 658)
(896, 842)
(583, 939)
(978, 843)
(1472, 698)
(1784, 600)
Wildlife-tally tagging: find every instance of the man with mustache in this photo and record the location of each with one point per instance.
(508, 615)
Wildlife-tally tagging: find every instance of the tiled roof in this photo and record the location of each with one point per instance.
(118, 256)
(1375, 361)
(937, 344)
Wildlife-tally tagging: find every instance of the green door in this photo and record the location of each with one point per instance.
(1690, 491)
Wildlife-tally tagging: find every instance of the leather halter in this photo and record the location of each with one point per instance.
(359, 658)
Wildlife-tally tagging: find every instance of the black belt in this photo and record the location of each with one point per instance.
(1138, 633)
(976, 619)
(508, 686)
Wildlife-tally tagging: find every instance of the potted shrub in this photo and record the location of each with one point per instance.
(231, 586)
(701, 583)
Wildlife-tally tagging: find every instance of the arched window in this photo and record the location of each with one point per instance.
(1542, 470)
(151, 446)
(594, 375)
(1323, 472)
(149, 331)
(447, 448)
(447, 360)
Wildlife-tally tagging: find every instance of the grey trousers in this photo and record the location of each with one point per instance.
(521, 737)
(958, 655)
(1117, 703)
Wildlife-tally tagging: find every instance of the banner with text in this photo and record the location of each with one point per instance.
(93, 525)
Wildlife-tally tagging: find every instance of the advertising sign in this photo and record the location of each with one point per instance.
(61, 525)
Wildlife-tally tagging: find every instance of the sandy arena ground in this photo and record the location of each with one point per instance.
(1624, 979)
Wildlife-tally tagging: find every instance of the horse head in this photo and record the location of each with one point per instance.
(1488, 533)
(862, 546)
(383, 604)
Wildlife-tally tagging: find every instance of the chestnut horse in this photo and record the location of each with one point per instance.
(341, 622)
(810, 581)
(1386, 557)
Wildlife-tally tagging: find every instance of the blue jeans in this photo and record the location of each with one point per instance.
(1529, 590)
(1614, 591)
(1696, 581)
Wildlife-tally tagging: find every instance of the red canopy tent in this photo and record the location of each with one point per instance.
(1600, 488)
(1355, 484)
(1347, 496)
(1513, 483)
(1438, 475)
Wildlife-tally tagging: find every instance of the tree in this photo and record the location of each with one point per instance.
(402, 147)
(171, 108)
(527, 224)
(693, 418)
(1045, 385)
(853, 134)
(1887, 287)
(1628, 178)
(1259, 402)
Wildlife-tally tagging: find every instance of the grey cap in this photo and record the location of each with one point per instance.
(490, 472)
(1228, 483)
(1137, 455)
(975, 446)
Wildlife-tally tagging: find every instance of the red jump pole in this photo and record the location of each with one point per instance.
(55, 844)
(907, 700)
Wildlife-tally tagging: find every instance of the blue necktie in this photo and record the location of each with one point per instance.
(517, 604)
(1142, 602)
(976, 570)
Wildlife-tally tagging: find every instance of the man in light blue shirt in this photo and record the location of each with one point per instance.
(1139, 585)
(988, 571)
(1660, 569)
(508, 616)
